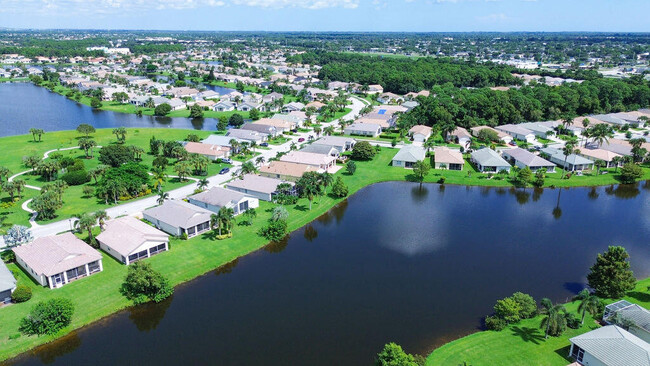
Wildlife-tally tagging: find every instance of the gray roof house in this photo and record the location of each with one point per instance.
(219, 140)
(217, 197)
(524, 158)
(540, 129)
(179, 217)
(247, 135)
(637, 316)
(128, 240)
(261, 128)
(409, 155)
(488, 160)
(363, 129)
(610, 346)
(261, 187)
(518, 132)
(339, 143)
(56, 260)
(573, 162)
(7, 284)
(321, 149)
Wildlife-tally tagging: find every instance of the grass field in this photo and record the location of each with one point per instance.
(74, 201)
(522, 343)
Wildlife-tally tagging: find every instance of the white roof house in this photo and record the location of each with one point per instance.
(523, 158)
(572, 162)
(255, 185)
(129, 239)
(59, 259)
(363, 129)
(610, 346)
(408, 155)
(518, 132)
(316, 160)
(637, 316)
(340, 143)
(216, 198)
(488, 160)
(7, 283)
(179, 217)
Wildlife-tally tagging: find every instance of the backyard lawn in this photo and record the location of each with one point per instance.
(521, 343)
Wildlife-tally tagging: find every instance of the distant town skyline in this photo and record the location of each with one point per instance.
(331, 15)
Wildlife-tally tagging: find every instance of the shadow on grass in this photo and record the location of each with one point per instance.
(302, 208)
(528, 334)
(564, 352)
(640, 296)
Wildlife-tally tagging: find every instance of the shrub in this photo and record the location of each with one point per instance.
(630, 172)
(88, 191)
(351, 167)
(8, 256)
(339, 189)
(143, 284)
(527, 304)
(363, 151)
(48, 317)
(162, 109)
(115, 155)
(508, 310)
(572, 321)
(394, 355)
(494, 323)
(21, 294)
(77, 164)
(76, 177)
(274, 231)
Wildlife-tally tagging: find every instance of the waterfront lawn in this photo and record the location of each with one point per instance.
(520, 343)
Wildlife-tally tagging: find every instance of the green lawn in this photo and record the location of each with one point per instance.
(74, 201)
(522, 343)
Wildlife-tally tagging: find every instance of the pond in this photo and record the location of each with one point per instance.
(395, 262)
(24, 106)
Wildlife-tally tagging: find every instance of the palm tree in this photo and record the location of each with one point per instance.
(554, 322)
(247, 168)
(101, 217)
(429, 144)
(588, 303)
(617, 161)
(202, 183)
(214, 223)
(19, 184)
(87, 222)
(4, 173)
(600, 134)
(568, 149)
(318, 130)
(87, 145)
(328, 131)
(234, 145)
(182, 169)
(162, 196)
(326, 179)
(259, 161)
(159, 177)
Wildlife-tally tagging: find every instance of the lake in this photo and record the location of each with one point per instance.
(394, 262)
(24, 106)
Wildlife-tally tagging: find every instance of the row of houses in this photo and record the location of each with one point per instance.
(381, 118)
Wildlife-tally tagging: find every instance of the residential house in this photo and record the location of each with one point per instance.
(254, 185)
(316, 105)
(321, 149)
(286, 171)
(219, 140)
(601, 154)
(212, 152)
(517, 132)
(224, 106)
(420, 133)
(177, 217)
(216, 198)
(408, 155)
(209, 94)
(7, 284)
(56, 260)
(280, 125)
(609, 346)
(445, 158)
(461, 137)
(410, 105)
(293, 106)
(388, 98)
(247, 135)
(503, 137)
(176, 104)
(339, 143)
(363, 129)
(261, 128)
(318, 161)
(295, 118)
(539, 129)
(636, 316)
(182, 92)
(572, 162)
(128, 240)
(524, 158)
(489, 161)
(375, 89)
(248, 106)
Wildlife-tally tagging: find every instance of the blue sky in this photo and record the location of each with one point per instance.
(331, 15)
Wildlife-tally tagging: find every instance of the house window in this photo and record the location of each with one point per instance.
(243, 206)
(578, 353)
(94, 266)
(191, 231)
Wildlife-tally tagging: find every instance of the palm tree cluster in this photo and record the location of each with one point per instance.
(223, 220)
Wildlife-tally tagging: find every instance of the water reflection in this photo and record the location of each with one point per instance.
(147, 317)
(625, 191)
(557, 211)
(277, 246)
(521, 195)
(227, 268)
(310, 233)
(336, 213)
(48, 353)
(537, 194)
(419, 193)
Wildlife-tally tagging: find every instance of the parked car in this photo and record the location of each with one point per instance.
(224, 171)
(512, 143)
(264, 144)
(302, 139)
(226, 161)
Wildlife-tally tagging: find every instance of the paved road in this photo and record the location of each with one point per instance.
(136, 207)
